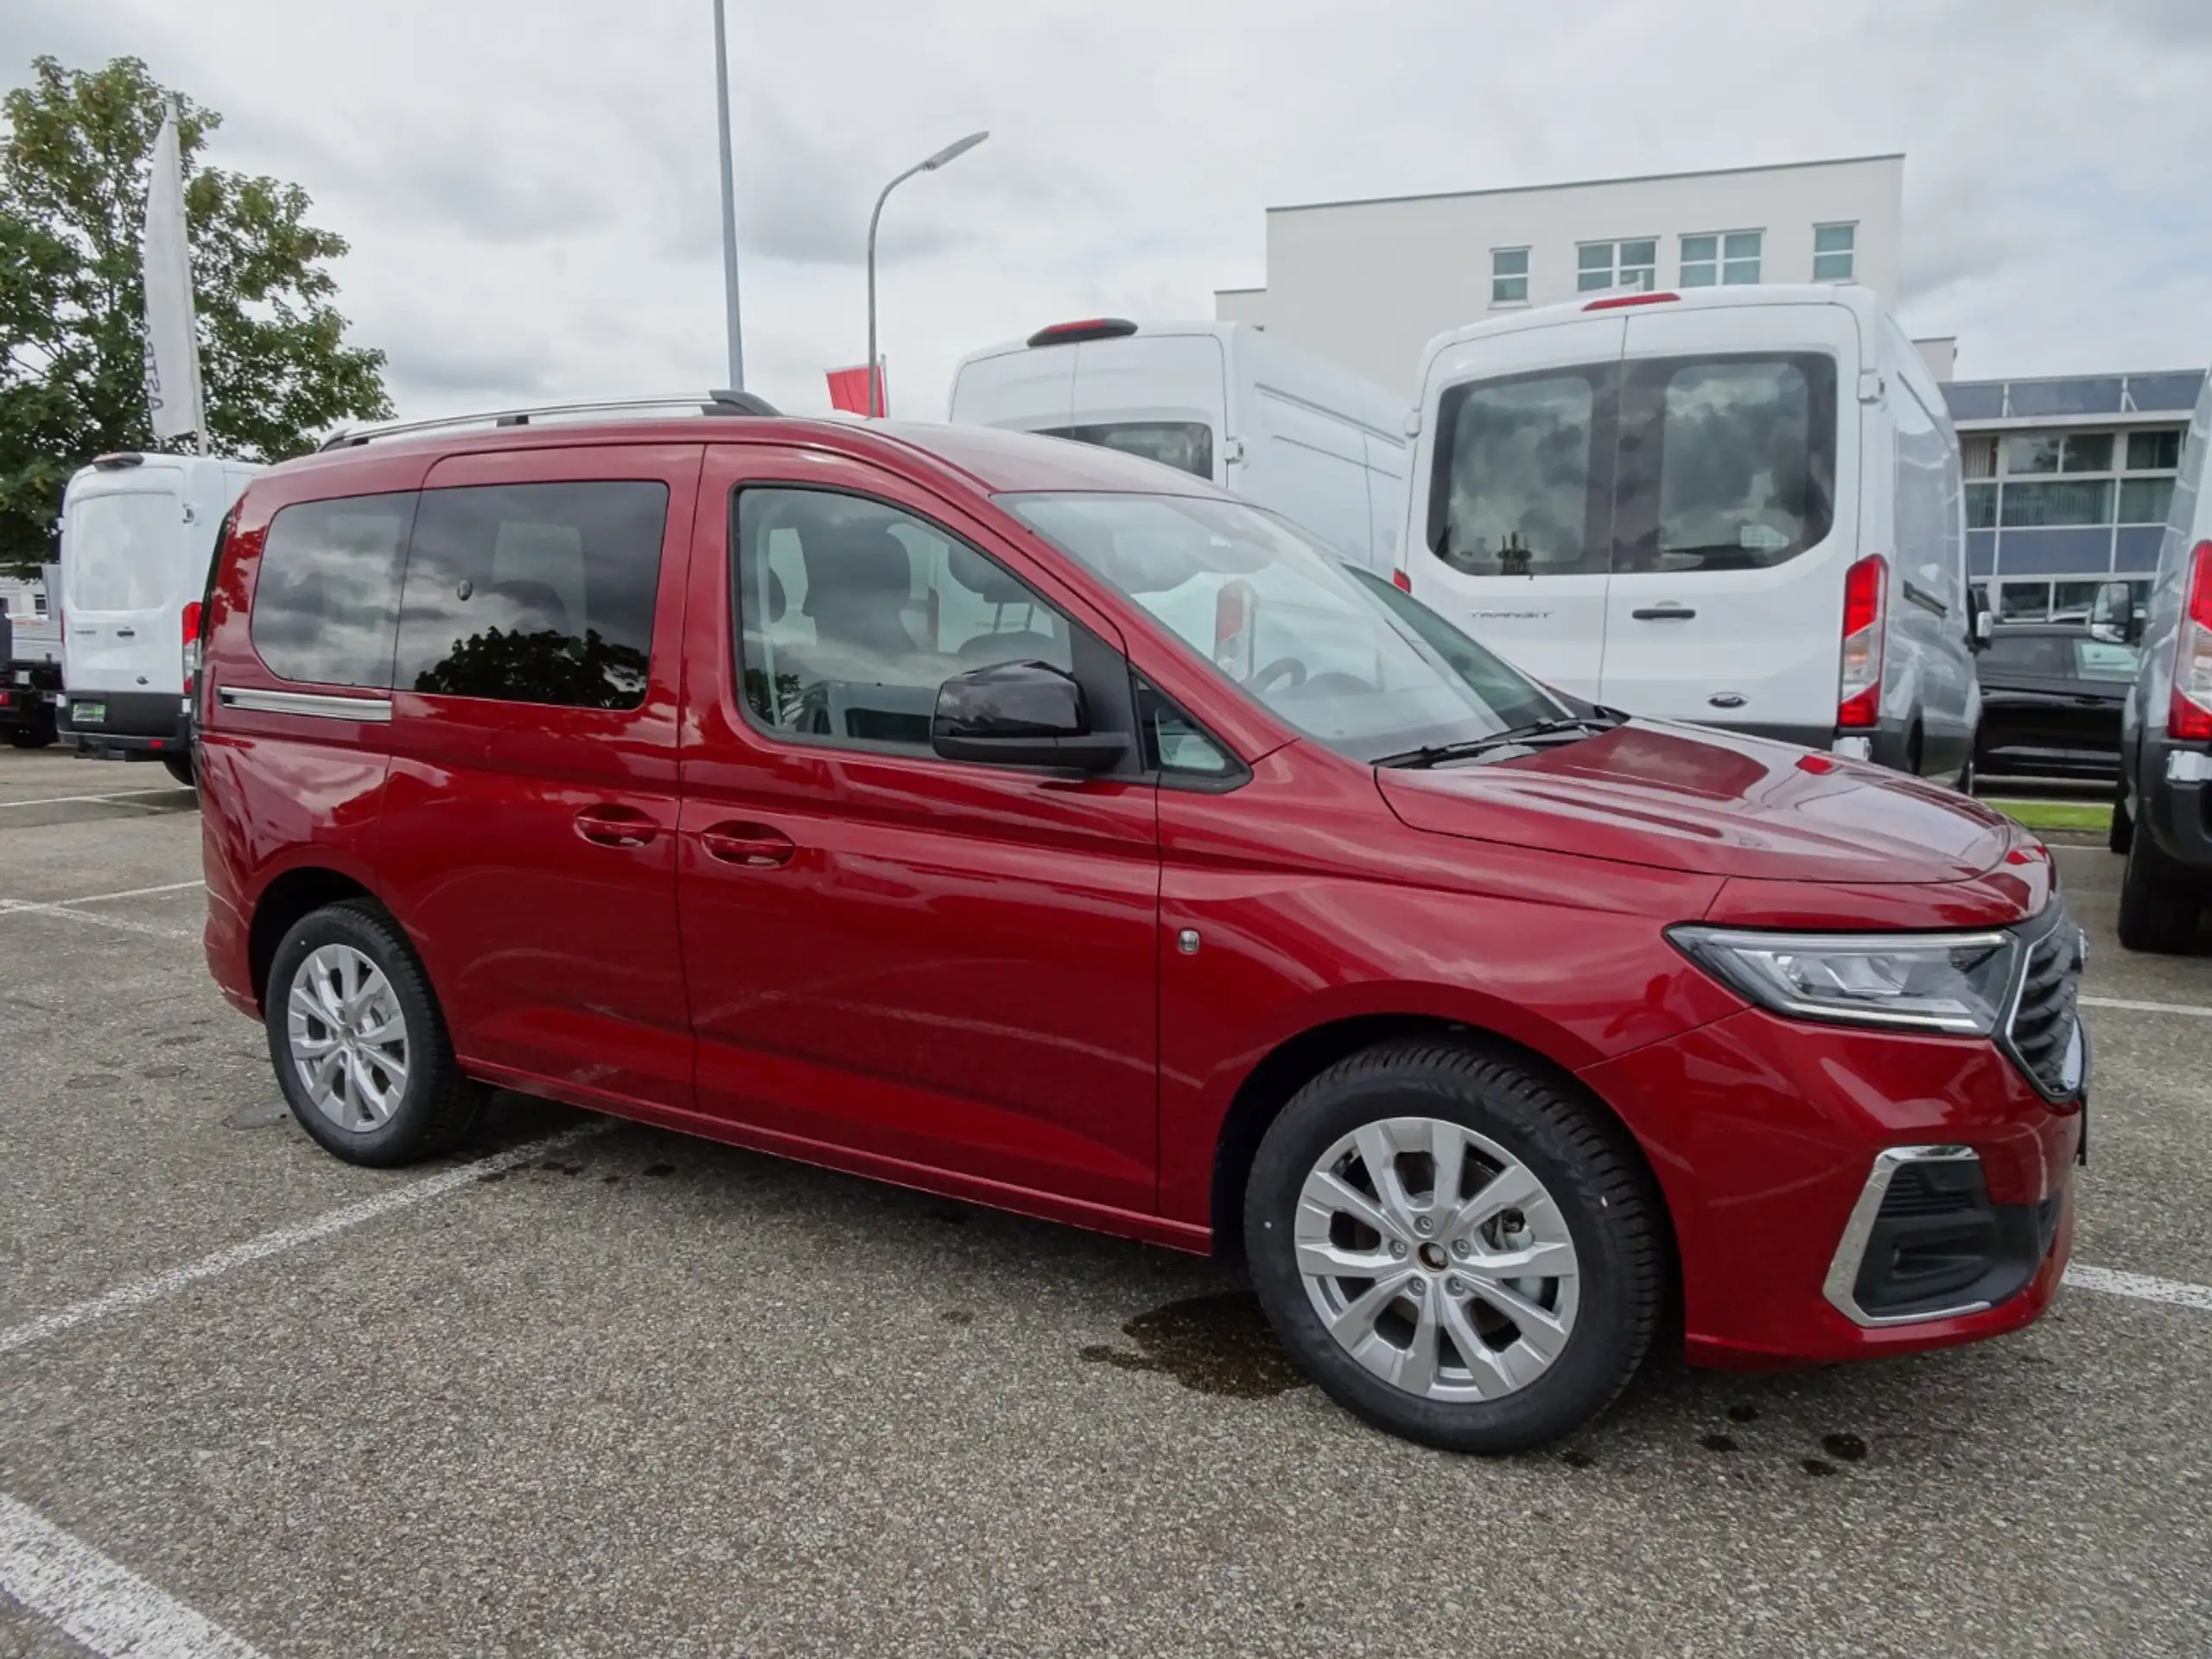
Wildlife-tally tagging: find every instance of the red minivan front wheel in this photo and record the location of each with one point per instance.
(1454, 1247)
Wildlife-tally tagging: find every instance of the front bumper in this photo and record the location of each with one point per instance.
(1764, 1132)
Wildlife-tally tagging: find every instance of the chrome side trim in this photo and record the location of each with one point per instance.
(375, 711)
(1841, 1286)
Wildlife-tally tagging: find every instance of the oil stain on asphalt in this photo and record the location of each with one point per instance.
(1219, 1344)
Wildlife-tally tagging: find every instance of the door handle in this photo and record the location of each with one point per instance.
(1663, 614)
(615, 826)
(757, 846)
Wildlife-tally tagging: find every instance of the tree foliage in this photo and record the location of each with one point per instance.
(73, 167)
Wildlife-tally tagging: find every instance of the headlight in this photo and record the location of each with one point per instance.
(1919, 981)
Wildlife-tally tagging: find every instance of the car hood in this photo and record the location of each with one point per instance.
(1682, 798)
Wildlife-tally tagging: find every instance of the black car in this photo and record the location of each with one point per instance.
(2051, 696)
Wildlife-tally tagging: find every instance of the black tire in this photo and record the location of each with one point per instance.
(1585, 1161)
(29, 737)
(2159, 904)
(179, 767)
(437, 1106)
(2121, 836)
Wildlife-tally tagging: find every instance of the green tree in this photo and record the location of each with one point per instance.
(74, 164)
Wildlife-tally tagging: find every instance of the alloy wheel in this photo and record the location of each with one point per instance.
(347, 1037)
(1437, 1259)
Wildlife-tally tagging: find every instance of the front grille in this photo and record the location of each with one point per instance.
(1932, 1189)
(2041, 1034)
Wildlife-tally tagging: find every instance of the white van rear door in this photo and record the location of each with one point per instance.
(1509, 528)
(1732, 531)
(121, 551)
(1026, 390)
(1164, 397)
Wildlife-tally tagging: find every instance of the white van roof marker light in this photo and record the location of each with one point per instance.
(1615, 302)
(1068, 333)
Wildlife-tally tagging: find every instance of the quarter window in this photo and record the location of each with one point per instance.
(533, 592)
(1835, 253)
(1508, 276)
(326, 589)
(1616, 265)
(851, 613)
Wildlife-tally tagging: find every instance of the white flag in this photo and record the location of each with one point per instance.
(172, 344)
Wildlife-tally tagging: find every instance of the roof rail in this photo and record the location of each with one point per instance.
(719, 402)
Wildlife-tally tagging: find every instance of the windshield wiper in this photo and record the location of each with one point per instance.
(1539, 731)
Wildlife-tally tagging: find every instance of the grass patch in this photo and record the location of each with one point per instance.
(2094, 817)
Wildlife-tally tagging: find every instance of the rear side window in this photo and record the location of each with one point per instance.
(1517, 491)
(533, 592)
(325, 596)
(1726, 463)
(1187, 446)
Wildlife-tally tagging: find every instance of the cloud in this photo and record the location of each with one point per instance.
(531, 192)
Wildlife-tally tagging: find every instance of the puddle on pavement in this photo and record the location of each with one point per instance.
(1218, 1345)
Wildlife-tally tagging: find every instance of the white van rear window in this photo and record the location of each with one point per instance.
(119, 551)
(1187, 446)
(1514, 491)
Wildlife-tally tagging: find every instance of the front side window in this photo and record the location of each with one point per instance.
(1187, 446)
(852, 613)
(326, 591)
(1835, 253)
(1508, 276)
(1632, 263)
(533, 592)
(1512, 491)
(1292, 625)
(1727, 463)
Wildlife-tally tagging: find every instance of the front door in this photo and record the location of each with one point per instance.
(528, 836)
(1512, 534)
(896, 962)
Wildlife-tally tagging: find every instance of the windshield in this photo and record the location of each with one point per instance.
(1321, 645)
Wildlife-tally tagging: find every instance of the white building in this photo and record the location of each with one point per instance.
(1370, 282)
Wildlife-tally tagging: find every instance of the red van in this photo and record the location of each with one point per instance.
(1042, 827)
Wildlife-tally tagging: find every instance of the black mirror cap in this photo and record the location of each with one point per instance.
(1020, 715)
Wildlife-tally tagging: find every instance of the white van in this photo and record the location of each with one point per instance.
(1282, 428)
(138, 541)
(1740, 506)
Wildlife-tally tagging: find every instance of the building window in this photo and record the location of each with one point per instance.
(1508, 276)
(2154, 452)
(1835, 253)
(2145, 500)
(1982, 506)
(1616, 265)
(1725, 256)
(2054, 452)
(1978, 454)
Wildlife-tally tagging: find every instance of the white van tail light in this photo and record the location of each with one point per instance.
(191, 640)
(2190, 717)
(1858, 696)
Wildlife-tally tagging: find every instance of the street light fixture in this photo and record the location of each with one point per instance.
(952, 151)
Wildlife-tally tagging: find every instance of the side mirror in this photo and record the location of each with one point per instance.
(1020, 715)
(2111, 614)
(1981, 624)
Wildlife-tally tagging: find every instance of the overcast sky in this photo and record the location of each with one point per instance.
(531, 189)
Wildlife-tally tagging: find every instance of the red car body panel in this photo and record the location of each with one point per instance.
(976, 980)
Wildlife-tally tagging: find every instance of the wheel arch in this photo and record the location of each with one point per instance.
(296, 893)
(1287, 1067)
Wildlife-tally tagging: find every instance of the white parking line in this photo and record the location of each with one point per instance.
(67, 909)
(100, 1603)
(2145, 1008)
(138, 1291)
(2141, 1286)
(126, 796)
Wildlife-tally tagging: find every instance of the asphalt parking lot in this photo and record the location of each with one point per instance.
(594, 1389)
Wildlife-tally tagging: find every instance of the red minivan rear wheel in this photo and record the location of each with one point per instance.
(1455, 1248)
(359, 1042)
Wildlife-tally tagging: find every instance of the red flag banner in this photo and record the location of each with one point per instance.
(848, 389)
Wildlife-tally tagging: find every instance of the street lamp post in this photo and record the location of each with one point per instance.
(949, 152)
(729, 205)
